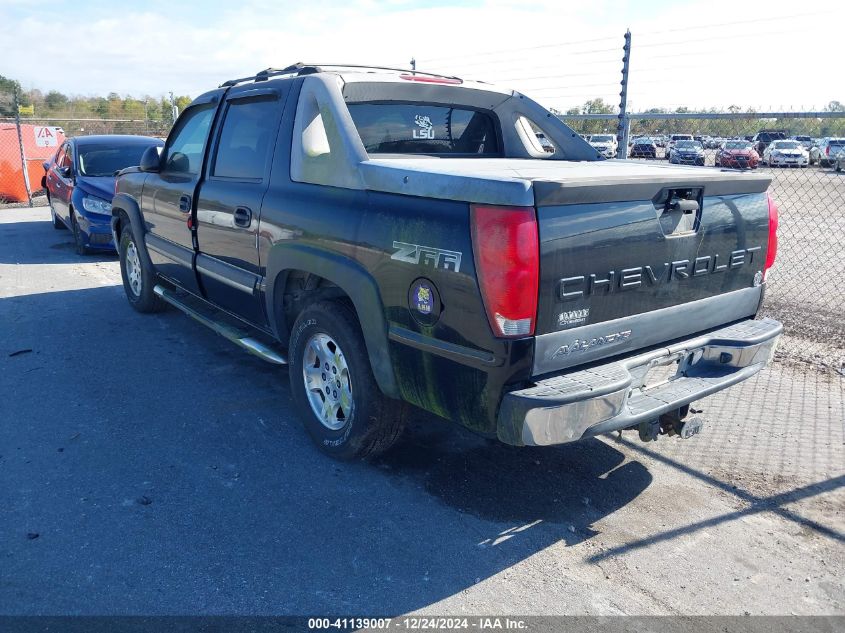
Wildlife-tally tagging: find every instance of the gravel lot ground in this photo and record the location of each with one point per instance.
(149, 466)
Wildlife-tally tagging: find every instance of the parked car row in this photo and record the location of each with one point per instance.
(744, 152)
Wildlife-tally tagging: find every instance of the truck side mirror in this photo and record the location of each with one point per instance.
(150, 160)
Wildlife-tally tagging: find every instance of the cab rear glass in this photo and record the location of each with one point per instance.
(406, 128)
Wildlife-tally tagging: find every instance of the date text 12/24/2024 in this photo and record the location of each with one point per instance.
(421, 623)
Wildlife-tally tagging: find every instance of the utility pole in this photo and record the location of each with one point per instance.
(413, 63)
(624, 124)
(20, 146)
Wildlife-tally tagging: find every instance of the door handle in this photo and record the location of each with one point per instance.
(185, 203)
(243, 216)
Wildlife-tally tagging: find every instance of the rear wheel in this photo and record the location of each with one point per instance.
(138, 280)
(333, 386)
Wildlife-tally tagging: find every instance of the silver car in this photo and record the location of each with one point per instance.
(826, 151)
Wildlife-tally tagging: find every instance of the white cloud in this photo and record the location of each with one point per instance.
(764, 61)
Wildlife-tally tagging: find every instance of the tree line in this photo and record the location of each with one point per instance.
(146, 114)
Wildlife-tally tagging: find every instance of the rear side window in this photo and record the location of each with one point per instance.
(249, 130)
(398, 128)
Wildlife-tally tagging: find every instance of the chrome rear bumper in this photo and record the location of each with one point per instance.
(578, 404)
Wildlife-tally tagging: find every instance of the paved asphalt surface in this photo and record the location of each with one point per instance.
(147, 466)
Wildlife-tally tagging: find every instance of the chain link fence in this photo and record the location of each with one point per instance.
(798, 150)
(27, 141)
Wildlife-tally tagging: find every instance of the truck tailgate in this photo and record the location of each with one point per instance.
(636, 260)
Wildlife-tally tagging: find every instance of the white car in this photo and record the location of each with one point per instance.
(605, 144)
(786, 153)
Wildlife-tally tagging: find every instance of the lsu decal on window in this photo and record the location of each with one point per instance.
(426, 130)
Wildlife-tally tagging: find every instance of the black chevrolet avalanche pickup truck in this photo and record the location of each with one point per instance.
(406, 239)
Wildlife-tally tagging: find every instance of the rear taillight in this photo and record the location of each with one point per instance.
(827, 150)
(772, 250)
(506, 246)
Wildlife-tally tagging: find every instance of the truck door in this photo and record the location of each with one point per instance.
(168, 195)
(230, 197)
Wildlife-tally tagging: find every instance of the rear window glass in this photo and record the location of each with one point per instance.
(397, 128)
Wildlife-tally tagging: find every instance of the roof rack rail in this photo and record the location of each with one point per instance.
(301, 68)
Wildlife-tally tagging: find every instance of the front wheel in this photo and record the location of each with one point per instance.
(138, 280)
(333, 386)
(57, 223)
(78, 236)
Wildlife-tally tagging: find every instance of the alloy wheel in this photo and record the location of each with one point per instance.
(133, 269)
(327, 381)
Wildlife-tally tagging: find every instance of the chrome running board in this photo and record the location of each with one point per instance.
(221, 322)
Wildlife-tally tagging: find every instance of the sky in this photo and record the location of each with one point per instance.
(767, 55)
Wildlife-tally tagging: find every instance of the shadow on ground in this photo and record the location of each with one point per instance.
(168, 473)
(18, 238)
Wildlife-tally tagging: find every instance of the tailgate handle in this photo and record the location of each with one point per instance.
(687, 206)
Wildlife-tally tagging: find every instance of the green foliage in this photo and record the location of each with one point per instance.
(144, 115)
(8, 87)
(55, 100)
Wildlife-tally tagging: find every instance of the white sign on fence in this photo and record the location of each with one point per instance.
(45, 136)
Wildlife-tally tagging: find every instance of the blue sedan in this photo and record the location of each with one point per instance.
(79, 181)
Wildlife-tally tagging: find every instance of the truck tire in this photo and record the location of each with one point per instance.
(138, 280)
(333, 386)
